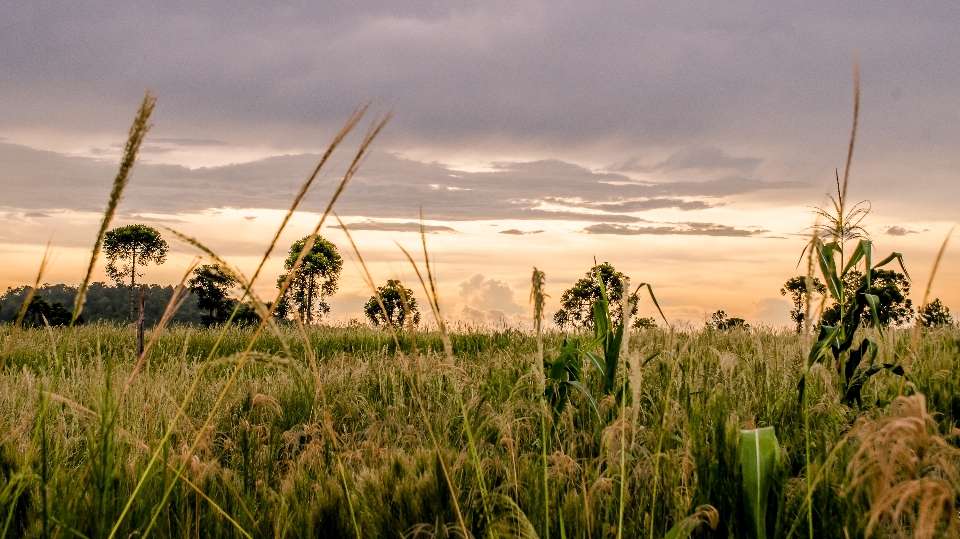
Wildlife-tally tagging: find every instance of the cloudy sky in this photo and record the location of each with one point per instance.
(683, 142)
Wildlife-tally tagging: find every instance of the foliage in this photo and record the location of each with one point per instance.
(41, 313)
(836, 342)
(797, 288)
(720, 321)
(759, 459)
(317, 278)
(890, 288)
(644, 322)
(576, 303)
(131, 245)
(104, 303)
(269, 446)
(566, 373)
(210, 284)
(398, 300)
(934, 314)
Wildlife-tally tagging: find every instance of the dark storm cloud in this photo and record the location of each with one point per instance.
(678, 229)
(385, 187)
(672, 73)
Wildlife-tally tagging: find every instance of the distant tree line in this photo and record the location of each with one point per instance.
(104, 303)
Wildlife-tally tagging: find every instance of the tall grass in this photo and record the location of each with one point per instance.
(269, 462)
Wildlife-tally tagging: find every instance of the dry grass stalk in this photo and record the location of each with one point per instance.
(344, 131)
(907, 473)
(141, 125)
(926, 292)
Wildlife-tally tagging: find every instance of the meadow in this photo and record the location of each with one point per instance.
(377, 442)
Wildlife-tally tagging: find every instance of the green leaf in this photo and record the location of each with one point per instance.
(874, 302)
(829, 336)
(759, 456)
(654, 298)
(863, 250)
(893, 256)
(828, 266)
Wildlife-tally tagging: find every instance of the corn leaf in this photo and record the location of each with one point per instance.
(759, 455)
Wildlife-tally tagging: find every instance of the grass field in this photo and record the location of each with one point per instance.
(365, 441)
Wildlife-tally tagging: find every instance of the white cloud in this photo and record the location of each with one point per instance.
(488, 294)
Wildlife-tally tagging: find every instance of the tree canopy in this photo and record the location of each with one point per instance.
(576, 303)
(890, 287)
(719, 320)
(796, 287)
(934, 314)
(210, 284)
(102, 303)
(131, 245)
(317, 278)
(397, 300)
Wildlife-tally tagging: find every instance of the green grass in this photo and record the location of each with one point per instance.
(269, 462)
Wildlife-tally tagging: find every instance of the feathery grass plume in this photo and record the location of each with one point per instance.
(8, 348)
(352, 122)
(908, 475)
(538, 297)
(141, 125)
(926, 293)
(703, 516)
(856, 115)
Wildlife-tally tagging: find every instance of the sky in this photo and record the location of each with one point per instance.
(685, 143)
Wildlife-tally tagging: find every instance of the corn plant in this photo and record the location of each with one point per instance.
(856, 364)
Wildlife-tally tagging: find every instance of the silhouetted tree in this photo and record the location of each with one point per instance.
(796, 287)
(210, 284)
(576, 303)
(934, 314)
(890, 287)
(393, 295)
(642, 322)
(40, 313)
(720, 321)
(317, 278)
(132, 245)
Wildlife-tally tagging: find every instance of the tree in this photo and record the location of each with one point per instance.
(719, 320)
(397, 300)
(132, 245)
(317, 278)
(797, 288)
(934, 314)
(644, 322)
(577, 302)
(210, 284)
(41, 313)
(891, 289)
